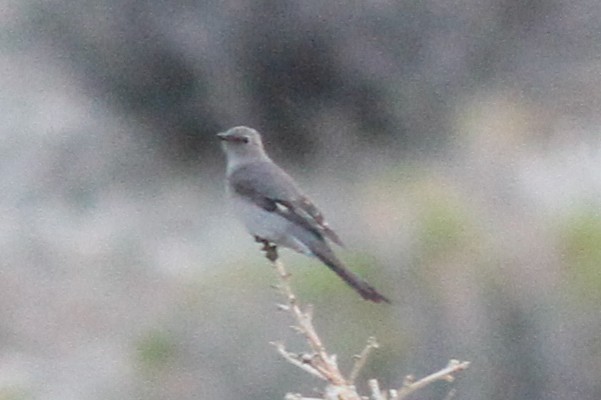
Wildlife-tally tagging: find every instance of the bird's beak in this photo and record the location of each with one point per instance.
(222, 136)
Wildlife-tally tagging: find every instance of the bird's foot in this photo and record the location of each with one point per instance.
(271, 250)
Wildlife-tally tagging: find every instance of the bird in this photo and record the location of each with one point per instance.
(275, 210)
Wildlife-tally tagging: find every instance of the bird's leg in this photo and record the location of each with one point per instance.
(271, 250)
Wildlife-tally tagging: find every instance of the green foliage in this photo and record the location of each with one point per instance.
(442, 226)
(445, 228)
(154, 350)
(13, 393)
(580, 242)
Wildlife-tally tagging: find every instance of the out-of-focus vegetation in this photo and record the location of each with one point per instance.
(454, 147)
(580, 233)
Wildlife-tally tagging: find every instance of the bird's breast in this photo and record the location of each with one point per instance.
(258, 221)
(269, 225)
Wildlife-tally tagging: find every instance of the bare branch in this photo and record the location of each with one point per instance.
(324, 366)
(324, 363)
(376, 393)
(445, 374)
(299, 362)
(296, 396)
(362, 358)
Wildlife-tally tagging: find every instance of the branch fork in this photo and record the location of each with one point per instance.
(318, 363)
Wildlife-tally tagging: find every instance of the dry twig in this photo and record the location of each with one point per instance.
(324, 366)
(445, 374)
(360, 359)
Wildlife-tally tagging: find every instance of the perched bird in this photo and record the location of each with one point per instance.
(275, 211)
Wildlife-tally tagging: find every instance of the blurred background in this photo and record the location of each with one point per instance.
(454, 146)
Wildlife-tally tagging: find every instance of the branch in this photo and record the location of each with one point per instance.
(324, 366)
(376, 393)
(319, 362)
(362, 358)
(445, 374)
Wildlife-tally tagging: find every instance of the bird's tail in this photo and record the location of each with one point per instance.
(327, 256)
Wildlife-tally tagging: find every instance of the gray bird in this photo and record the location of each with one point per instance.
(274, 210)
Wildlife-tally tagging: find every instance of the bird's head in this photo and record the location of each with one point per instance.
(242, 144)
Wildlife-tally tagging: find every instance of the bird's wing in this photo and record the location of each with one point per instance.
(304, 203)
(274, 190)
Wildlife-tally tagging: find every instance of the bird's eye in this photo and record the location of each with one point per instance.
(245, 139)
